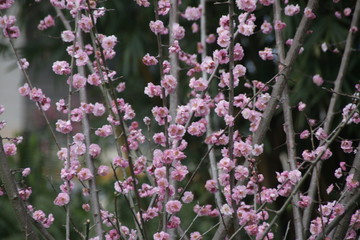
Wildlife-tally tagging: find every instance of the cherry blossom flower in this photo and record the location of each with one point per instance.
(62, 199)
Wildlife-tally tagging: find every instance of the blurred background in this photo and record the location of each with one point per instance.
(129, 23)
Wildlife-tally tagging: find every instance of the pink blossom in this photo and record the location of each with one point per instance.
(318, 80)
(94, 150)
(81, 58)
(266, 2)
(85, 23)
(153, 90)
(26, 172)
(246, 5)
(62, 199)
(173, 206)
(23, 64)
(10, 149)
(77, 81)
(94, 79)
(67, 36)
(192, 13)
(76, 115)
(157, 27)
(221, 56)
(104, 131)
(84, 174)
(291, 10)
(161, 236)
(169, 82)
(5, 4)
(309, 13)
(187, 197)
(178, 32)
(338, 173)
(351, 183)
(266, 27)
(279, 25)
(63, 126)
(149, 60)
(108, 42)
(25, 193)
(11, 32)
(246, 28)
(2, 109)
(346, 146)
(46, 23)
(301, 106)
(266, 54)
(61, 68)
(224, 38)
(198, 85)
(239, 71)
(163, 7)
(196, 236)
(98, 109)
(304, 134)
(211, 38)
(208, 65)
(144, 3)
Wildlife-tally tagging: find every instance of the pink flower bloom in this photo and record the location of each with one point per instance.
(63, 126)
(351, 183)
(11, 32)
(85, 23)
(144, 3)
(266, 27)
(266, 2)
(62, 199)
(84, 174)
(301, 106)
(178, 31)
(173, 206)
(187, 197)
(309, 13)
(94, 150)
(169, 82)
(161, 236)
(192, 13)
(81, 58)
(46, 23)
(238, 52)
(304, 134)
(94, 79)
(23, 64)
(103, 170)
(98, 109)
(104, 131)
(157, 27)
(196, 236)
(67, 36)
(208, 65)
(108, 42)
(26, 172)
(5, 4)
(149, 60)
(291, 10)
(318, 80)
(346, 146)
(279, 25)
(239, 71)
(10, 149)
(61, 68)
(266, 54)
(246, 5)
(78, 81)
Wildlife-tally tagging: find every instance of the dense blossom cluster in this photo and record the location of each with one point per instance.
(240, 190)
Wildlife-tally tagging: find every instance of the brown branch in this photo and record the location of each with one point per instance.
(24, 220)
(289, 123)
